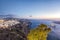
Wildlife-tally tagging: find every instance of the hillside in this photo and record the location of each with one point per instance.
(14, 29)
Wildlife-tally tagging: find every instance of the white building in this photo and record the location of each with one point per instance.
(6, 24)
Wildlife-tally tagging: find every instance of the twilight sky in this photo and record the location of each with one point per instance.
(31, 8)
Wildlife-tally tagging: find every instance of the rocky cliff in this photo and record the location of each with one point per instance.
(16, 30)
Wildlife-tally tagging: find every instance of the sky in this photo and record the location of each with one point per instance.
(39, 9)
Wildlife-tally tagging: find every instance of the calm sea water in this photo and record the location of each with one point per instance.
(37, 22)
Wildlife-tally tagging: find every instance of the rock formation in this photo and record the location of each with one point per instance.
(16, 30)
(39, 33)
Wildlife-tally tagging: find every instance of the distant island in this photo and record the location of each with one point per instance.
(56, 22)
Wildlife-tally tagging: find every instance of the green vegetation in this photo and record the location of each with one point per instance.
(39, 33)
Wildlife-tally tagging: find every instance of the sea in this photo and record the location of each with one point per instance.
(54, 34)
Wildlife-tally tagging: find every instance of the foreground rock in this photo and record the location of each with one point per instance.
(39, 33)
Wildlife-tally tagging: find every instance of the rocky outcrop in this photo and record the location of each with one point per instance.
(39, 33)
